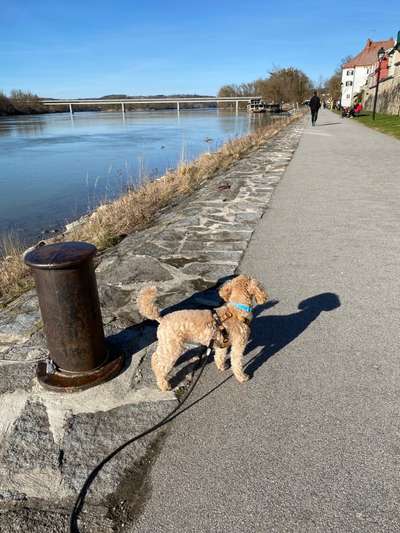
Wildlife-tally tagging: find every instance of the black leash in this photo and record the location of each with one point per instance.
(80, 500)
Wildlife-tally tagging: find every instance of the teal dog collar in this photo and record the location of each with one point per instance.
(242, 307)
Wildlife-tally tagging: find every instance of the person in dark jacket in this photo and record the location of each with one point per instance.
(315, 104)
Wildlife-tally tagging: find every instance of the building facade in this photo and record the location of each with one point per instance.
(389, 85)
(356, 71)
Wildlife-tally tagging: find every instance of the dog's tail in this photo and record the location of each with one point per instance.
(146, 303)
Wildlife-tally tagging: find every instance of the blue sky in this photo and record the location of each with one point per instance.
(92, 48)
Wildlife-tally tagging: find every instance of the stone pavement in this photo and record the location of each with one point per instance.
(311, 443)
(48, 441)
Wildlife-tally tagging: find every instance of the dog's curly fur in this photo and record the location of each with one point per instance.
(197, 326)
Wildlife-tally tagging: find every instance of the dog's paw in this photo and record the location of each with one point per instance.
(164, 386)
(242, 378)
(223, 367)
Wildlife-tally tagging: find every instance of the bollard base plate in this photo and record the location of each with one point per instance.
(63, 381)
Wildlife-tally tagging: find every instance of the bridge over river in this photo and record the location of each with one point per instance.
(139, 101)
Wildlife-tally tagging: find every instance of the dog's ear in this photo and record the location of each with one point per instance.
(225, 291)
(257, 291)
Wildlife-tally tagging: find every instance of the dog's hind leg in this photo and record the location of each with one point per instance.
(219, 358)
(238, 346)
(163, 361)
(159, 375)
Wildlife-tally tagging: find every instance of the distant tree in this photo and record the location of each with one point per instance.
(247, 89)
(26, 102)
(225, 92)
(6, 107)
(287, 85)
(228, 90)
(261, 88)
(281, 85)
(334, 84)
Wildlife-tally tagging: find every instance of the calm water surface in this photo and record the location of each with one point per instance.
(54, 168)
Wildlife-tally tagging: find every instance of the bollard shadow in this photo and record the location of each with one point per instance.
(272, 333)
(330, 124)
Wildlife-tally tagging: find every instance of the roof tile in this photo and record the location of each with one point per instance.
(369, 55)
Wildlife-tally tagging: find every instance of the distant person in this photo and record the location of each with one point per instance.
(315, 104)
(355, 110)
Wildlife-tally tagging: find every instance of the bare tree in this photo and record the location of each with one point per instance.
(6, 107)
(281, 85)
(26, 102)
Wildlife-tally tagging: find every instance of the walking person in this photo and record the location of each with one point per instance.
(315, 104)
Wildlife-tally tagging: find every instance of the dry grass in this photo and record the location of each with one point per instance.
(139, 207)
(14, 274)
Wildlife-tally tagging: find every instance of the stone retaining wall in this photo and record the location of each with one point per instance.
(388, 97)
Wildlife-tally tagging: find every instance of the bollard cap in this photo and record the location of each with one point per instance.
(60, 255)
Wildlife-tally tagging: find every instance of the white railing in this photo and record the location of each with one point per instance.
(134, 101)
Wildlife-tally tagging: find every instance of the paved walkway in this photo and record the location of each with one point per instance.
(311, 443)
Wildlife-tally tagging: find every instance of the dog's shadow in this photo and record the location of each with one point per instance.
(272, 333)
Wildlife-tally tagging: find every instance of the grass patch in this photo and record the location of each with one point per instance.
(138, 208)
(15, 277)
(389, 124)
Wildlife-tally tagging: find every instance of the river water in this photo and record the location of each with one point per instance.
(54, 168)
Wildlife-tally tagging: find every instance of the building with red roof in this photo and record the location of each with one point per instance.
(356, 70)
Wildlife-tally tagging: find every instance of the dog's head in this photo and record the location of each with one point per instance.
(243, 289)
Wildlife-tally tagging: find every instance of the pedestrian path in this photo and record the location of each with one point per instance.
(311, 443)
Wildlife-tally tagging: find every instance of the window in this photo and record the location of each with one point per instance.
(349, 83)
(350, 72)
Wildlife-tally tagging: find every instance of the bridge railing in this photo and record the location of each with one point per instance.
(132, 101)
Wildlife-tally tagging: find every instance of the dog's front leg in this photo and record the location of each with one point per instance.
(238, 346)
(219, 358)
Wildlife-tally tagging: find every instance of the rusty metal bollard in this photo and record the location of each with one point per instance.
(69, 304)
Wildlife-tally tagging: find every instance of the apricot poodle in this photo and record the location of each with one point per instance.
(227, 326)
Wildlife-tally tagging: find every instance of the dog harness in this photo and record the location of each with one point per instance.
(220, 326)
